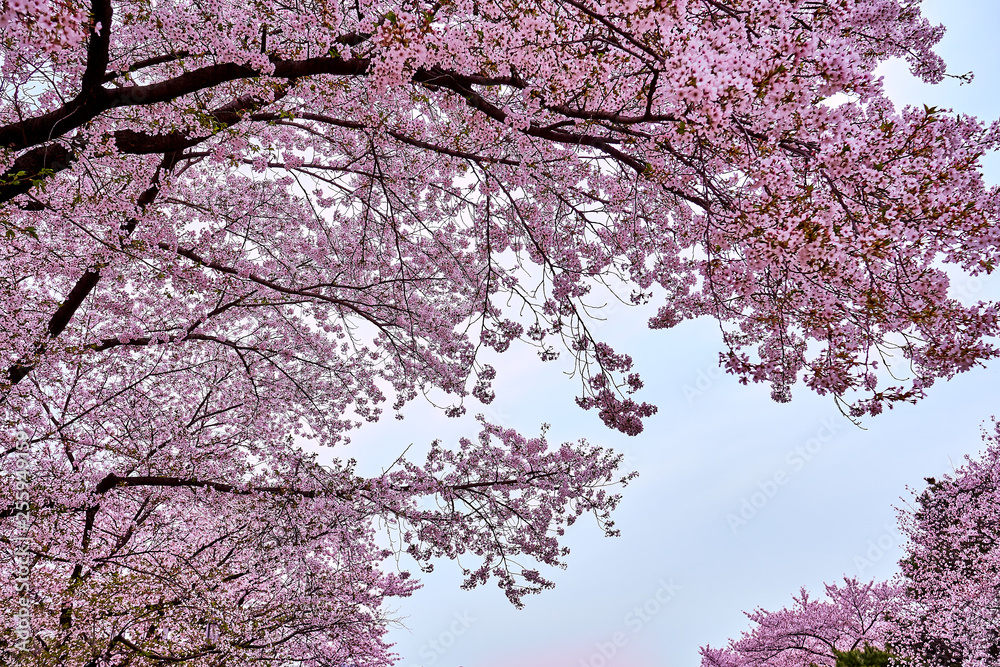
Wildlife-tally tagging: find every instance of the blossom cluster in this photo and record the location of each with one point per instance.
(231, 228)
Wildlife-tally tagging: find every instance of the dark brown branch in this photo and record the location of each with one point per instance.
(148, 62)
(455, 83)
(321, 118)
(399, 136)
(648, 117)
(97, 49)
(112, 480)
(86, 107)
(159, 657)
(29, 165)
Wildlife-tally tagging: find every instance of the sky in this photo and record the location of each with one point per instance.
(739, 502)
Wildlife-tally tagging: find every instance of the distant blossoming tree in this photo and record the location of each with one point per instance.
(228, 227)
(943, 610)
(952, 566)
(853, 618)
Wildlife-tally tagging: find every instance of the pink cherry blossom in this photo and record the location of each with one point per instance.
(233, 228)
(852, 616)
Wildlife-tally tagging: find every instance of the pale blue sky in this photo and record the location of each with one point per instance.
(712, 445)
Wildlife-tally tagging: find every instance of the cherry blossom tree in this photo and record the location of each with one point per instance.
(952, 565)
(853, 618)
(233, 228)
(159, 562)
(942, 610)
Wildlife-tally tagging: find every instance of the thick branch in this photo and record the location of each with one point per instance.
(97, 49)
(18, 179)
(148, 62)
(112, 480)
(86, 107)
(476, 101)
